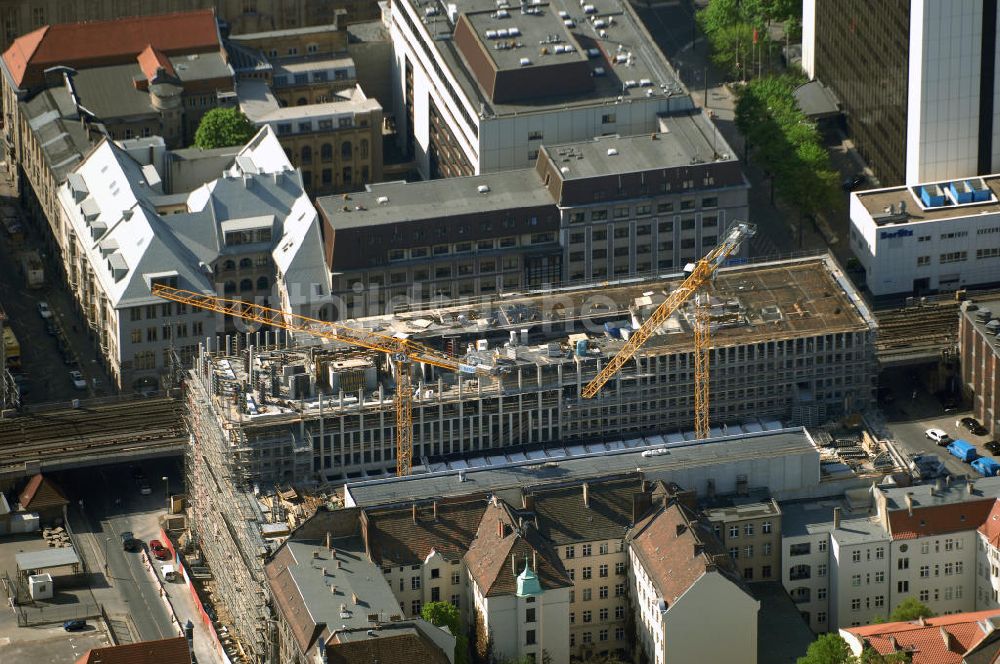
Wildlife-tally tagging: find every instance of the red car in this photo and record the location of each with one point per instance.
(159, 551)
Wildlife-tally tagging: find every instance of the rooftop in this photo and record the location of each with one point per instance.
(261, 106)
(687, 139)
(162, 651)
(939, 640)
(934, 201)
(81, 45)
(983, 318)
(542, 470)
(400, 201)
(46, 558)
(56, 123)
(606, 33)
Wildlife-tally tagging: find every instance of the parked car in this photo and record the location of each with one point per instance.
(853, 182)
(160, 552)
(972, 425)
(75, 625)
(993, 447)
(129, 542)
(938, 436)
(79, 382)
(44, 311)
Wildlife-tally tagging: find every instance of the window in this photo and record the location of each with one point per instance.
(924, 595)
(307, 154)
(137, 336)
(415, 583)
(602, 548)
(620, 568)
(534, 135)
(821, 546)
(765, 527)
(855, 580)
(903, 586)
(765, 549)
(925, 571)
(326, 152)
(602, 635)
(879, 553)
(529, 615)
(346, 148)
(619, 612)
(529, 637)
(603, 571)
(923, 260)
(958, 567)
(586, 550)
(821, 593)
(455, 578)
(619, 633)
(570, 552)
(800, 549)
(415, 608)
(821, 569)
(855, 604)
(856, 556)
(734, 552)
(150, 334)
(765, 572)
(587, 616)
(602, 615)
(586, 573)
(903, 563)
(879, 577)
(953, 257)
(665, 207)
(821, 616)
(619, 589)
(710, 202)
(734, 532)
(602, 592)
(608, 118)
(748, 530)
(748, 551)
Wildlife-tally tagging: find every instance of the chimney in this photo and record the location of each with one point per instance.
(938, 487)
(328, 547)
(641, 502)
(499, 529)
(534, 561)
(836, 518)
(909, 502)
(892, 640)
(513, 564)
(528, 502)
(970, 487)
(365, 537)
(414, 510)
(333, 589)
(354, 598)
(435, 510)
(949, 640)
(586, 494)
(681, 527)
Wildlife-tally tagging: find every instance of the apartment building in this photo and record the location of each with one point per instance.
(681, 575)
(937, 236)
(749, 527)
(149, 75)
(250, 234)
(978, 350)
(480, 88)
(847, 563)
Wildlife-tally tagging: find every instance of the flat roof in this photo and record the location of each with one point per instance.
(625, 31)
(538, 472)
(411, 201)
(47, 558)
(878, 201)
(545, 29)
(688, 139)
(308, 64)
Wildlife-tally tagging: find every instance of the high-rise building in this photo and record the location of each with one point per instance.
(917, 80)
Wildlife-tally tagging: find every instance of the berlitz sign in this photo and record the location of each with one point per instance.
(888, 235)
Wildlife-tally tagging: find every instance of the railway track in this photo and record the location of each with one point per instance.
(925, 329)
(118, 427)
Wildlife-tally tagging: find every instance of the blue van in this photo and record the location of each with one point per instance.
(964, 450)
(986, 466)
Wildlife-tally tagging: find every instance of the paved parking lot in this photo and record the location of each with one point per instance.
(48, 645)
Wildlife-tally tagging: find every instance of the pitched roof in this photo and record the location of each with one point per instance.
(151, 60)
(165, 651)
(676, 550)
(289, 600)
(41, 493)
(498, 539)
(98, 43)
(564, 518)
(395, 649)
(938, 519)
(941, 640)
(395, 538)
(991, 526)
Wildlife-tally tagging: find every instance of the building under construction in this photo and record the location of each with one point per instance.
(791, 340)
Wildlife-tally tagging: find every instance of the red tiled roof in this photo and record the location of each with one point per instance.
(41, 493)
(164, 651)
(938, 519)
(926, 639)
(676, 550)
(152, 60)
(396, 538)
(489, 556)
(991, 526)
(100, 43)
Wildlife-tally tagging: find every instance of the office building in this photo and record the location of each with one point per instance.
(481, 86)
(978, 351)
(932, 237)
(917, 80)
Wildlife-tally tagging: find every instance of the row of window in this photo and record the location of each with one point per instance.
(319, 76)
(587, 638)
(587, 550)
(586, 594)
(169, 331)
(326, 152)
(246, 285)
(646, 209)
(245, 263)
(588, 615)
(602, 571)
(748, 551)
(465, 247)
(307, 126)
(167, 309)
(748, 529)
(949, 257)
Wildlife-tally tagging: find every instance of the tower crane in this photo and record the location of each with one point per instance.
(700, 276)
(402, 352)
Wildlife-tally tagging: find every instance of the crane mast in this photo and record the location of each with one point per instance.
(700, 276)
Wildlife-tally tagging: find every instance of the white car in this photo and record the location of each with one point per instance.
(44, 311)
(938, 436)
(79, 382)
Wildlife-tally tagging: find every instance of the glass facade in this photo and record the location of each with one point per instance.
(862, 54)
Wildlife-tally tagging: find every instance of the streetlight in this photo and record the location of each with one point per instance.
(166, 487)
(107, 540)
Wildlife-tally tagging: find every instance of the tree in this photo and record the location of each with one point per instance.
(223, 127)
(827, 649)
(910, 609)
(444, 614)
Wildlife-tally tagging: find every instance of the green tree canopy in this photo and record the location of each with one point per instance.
(910, 609)
(827, 649)
(443, 614)
(223, 127)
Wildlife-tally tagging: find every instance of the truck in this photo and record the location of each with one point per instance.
(963, 450)
(986, 466)
(31, 268)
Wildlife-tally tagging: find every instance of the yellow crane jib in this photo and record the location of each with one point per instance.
(702, 273)
(401, 351)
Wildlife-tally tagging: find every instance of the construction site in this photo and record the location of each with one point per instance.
(791, 341)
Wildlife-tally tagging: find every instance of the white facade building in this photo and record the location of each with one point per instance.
(251, 234)
(934, 236)
(476, 93)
